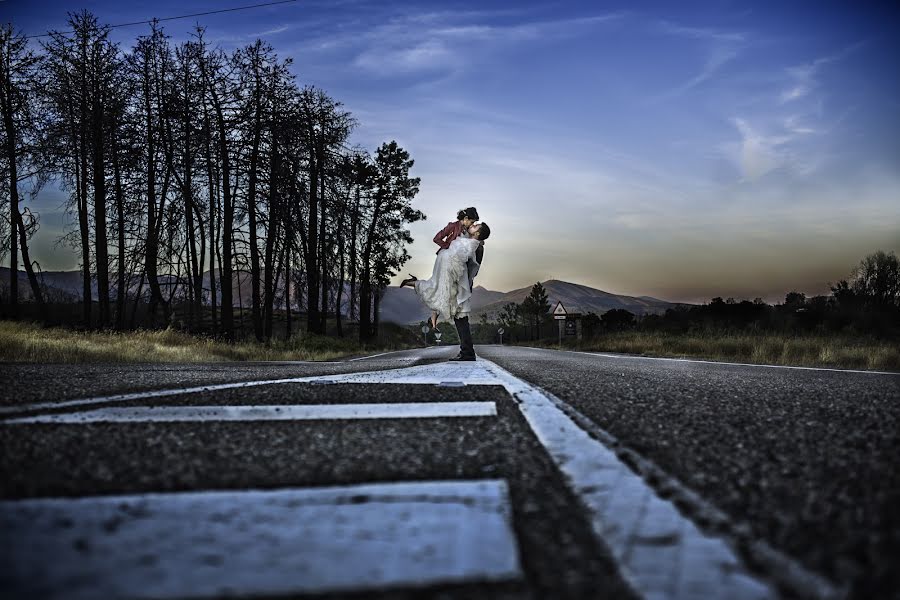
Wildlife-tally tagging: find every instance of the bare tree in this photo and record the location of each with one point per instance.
(21, 152)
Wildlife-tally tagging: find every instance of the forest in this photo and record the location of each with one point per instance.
(191, 172)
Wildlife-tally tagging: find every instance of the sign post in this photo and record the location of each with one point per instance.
(500, 331)
(425, 329)
(559, 314)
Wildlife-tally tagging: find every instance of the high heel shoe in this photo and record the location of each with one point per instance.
(408, 282)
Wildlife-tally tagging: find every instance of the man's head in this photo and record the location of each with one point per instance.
(480, 231)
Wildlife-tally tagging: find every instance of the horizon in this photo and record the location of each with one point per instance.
(687, 152)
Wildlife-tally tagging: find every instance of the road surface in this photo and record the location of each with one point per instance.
(529, 473)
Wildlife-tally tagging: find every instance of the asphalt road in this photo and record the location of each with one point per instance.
(804, 461)
(808, 459)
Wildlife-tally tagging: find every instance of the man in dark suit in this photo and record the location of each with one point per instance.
(466, 347)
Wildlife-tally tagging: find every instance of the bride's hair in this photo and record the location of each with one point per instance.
(468, 212)
(483, 231)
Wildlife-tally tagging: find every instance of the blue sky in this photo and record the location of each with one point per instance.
(679, 150)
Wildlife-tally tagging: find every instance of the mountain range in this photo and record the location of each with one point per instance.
(398, 305)
(402, 306)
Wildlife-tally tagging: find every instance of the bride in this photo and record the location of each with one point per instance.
(448, 290)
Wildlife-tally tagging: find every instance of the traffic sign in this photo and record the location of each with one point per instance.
(425, 328)
(501, 331)
(560, 309)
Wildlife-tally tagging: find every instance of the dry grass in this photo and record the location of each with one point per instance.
(837, 351)
(28, 342)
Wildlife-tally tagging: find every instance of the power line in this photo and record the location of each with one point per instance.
(200, 14)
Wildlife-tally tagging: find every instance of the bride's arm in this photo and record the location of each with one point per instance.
(442, 234)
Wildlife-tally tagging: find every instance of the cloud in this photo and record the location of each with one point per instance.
(446, 41)
(803, 78)
(722, 48)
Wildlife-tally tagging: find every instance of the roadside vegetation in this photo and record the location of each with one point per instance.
(33, 343)
(842, 351)
(856, 326)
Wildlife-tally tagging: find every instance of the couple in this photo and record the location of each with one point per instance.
(449, 291)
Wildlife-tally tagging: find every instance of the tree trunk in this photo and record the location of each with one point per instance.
(227, 226)
(313, 322)
(14, 215)
(101, 247)
(120, 231)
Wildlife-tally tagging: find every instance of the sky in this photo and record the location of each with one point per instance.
(681, 150)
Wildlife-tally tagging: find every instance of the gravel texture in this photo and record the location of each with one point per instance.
(808, 459)
(560, 556)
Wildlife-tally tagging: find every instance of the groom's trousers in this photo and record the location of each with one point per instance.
(466, 348)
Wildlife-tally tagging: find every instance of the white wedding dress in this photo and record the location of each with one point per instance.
(447, 291)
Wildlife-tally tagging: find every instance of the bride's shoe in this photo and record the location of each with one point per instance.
(408, 282)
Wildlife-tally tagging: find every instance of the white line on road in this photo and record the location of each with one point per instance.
(661, 553)
(394, 352)
(259, 543)
(288, 412)
(214, 388)
(715, 362)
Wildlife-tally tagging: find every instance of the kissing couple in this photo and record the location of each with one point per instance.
(448, 292)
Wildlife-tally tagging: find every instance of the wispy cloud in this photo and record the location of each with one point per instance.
(446, 41)
(804, 78)
(722, 47)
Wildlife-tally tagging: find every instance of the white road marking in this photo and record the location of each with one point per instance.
(394, 352)
(717, 362)
(457, 374)
(661, 553)
(243, 543)
(287, 412)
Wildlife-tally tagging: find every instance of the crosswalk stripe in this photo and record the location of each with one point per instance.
(285, 412)
(273, 542)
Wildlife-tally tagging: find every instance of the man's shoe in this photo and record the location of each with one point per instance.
(461, 358)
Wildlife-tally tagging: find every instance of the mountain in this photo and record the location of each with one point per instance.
(402, 306)
(397, 305)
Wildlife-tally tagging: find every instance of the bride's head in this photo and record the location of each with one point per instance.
(480, 231)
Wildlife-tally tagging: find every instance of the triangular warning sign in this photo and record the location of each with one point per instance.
(560, 309)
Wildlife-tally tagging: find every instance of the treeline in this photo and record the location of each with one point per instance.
(184, 159)
(868, 303)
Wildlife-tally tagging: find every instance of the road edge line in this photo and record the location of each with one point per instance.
(779, 568)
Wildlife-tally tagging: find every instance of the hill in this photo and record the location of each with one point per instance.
(397, 306)
(401, 306)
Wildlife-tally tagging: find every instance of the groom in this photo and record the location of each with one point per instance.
(466, 348)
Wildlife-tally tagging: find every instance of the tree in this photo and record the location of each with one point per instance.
(509, 317)
(590, 324)
(877, 279)
(795, 300)
(617, 319)
(384, 247)
(536, 306)
(79, 82)
(21, 155)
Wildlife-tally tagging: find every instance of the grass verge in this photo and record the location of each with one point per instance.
(839, 351)
(32, 343)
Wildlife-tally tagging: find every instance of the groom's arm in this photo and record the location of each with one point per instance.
(474, 265)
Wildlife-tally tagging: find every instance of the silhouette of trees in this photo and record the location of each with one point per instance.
(22, 162)
(178, 154)
(617, 319)
(535, 308)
